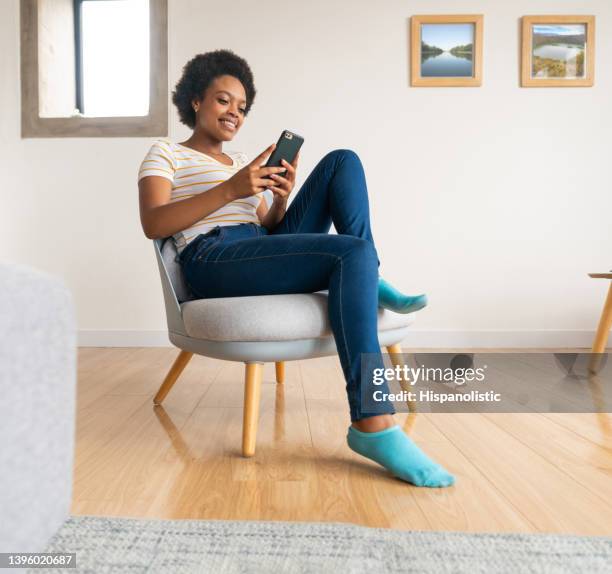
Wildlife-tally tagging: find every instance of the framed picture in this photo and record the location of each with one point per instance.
(558, 51)
(446, 50)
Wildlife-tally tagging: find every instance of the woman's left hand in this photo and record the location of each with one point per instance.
(284, 184)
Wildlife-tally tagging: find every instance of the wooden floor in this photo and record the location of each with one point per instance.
(515, 472)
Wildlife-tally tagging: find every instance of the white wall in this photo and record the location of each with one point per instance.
(499, 225)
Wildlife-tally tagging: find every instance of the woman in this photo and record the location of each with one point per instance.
(231, 244)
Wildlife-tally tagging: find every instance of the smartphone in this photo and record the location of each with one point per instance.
(287, 147)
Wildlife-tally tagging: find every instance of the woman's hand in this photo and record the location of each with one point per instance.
(284, 184)
(253, 178)
(282, 188)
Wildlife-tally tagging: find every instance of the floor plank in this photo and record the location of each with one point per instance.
(546, 496)
(587, 463)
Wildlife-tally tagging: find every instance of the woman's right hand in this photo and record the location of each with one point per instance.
(252, 178)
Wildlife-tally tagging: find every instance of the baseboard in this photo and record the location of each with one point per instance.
(544, 338)
(90, 338)
(416, 339)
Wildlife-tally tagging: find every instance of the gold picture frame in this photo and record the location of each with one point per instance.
(566, 51)
(448, 61)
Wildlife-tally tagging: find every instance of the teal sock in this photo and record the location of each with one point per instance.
(390, 298)
(394, 450)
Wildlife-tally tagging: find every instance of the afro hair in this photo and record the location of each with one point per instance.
(200, 72)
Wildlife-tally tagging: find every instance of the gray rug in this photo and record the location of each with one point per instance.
(121, 545)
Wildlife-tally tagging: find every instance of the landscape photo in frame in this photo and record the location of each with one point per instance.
(446, 50)
(557, 51)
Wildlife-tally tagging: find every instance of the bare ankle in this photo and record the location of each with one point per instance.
(374, 424)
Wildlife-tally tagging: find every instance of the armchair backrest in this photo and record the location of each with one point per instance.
(174, 287)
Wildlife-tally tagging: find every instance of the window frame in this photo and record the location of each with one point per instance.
(153, 124)
(78, 53)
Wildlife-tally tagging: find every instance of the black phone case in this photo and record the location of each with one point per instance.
(288, 145)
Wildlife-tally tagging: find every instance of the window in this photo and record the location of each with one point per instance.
(94, 68)
(112, 77)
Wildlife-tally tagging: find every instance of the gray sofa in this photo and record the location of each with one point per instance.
(37, 406)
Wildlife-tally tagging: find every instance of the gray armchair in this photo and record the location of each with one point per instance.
(252, 330)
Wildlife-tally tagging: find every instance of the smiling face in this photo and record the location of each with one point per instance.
(221, 111)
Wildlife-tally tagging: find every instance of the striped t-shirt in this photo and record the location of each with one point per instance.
(193, 172)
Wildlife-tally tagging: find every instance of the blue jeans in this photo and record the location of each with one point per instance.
(299, 256)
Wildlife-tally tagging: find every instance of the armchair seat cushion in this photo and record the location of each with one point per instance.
(268, 318)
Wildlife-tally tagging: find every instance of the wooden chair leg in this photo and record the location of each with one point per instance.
(280, 371)
(393, 351)
(605, 322)
(395, 354)
(173, 374)
(252, 394)
(601, 337)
